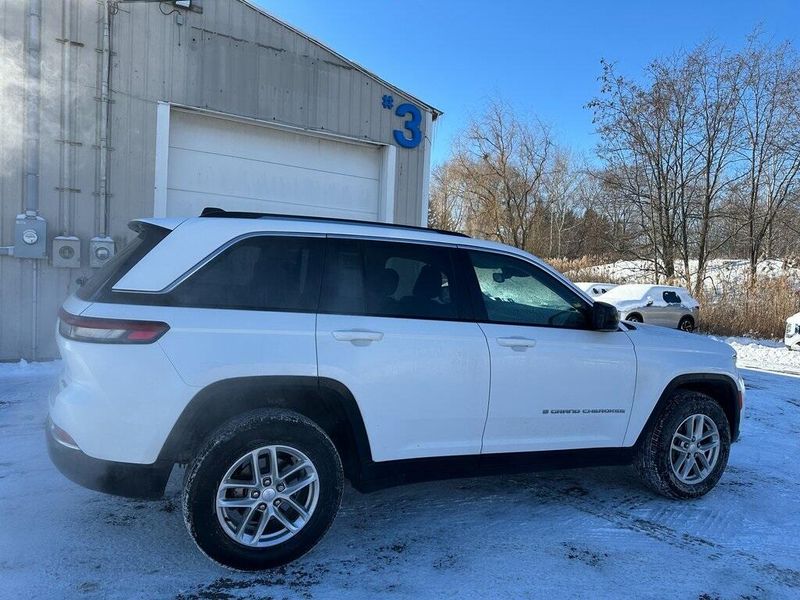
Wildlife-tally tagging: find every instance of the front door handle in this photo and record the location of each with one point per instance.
(358, 337)
(516, 343)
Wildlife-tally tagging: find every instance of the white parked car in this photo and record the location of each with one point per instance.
(595, 288)
(278, 356)
(663, 305)
(792, 336)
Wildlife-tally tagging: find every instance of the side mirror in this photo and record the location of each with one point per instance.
(604, 317)
(649, 301)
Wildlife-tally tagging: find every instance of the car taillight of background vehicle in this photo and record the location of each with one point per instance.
(109, 331)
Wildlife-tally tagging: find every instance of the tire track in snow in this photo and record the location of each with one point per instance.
(599, 508)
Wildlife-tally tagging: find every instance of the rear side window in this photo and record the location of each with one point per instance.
(389, 279)
(98, 287)
(258, 273)
(671, 297)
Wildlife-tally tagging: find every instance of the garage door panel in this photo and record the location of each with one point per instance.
(184, 203)
(239, 166)
(224, 137)
(229, 176)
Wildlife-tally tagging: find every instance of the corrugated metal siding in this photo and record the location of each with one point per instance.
(12, 275)
(231, 59)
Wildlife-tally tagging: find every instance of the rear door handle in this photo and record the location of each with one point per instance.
(358, 337)
(516, 343)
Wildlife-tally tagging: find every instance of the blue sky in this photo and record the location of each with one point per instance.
(543, 57)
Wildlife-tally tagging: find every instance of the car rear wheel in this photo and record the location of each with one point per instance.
(684, 452)
(263, 490)
(635, 318)
(686, 324)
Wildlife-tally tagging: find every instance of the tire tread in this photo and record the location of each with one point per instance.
(648, 463)
(231, 430)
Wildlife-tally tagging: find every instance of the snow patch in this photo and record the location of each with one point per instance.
(721, 273)
(586, 533)
(767, 355)
(23, 368)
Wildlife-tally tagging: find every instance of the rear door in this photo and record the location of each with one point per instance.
(393, 326)
(248, 311)
(556, 384)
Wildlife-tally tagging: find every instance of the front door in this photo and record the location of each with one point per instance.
(393, 327)
(555, 383)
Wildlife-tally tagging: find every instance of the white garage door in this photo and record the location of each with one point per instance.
(239, 166)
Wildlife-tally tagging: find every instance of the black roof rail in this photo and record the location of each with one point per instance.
(212, 211)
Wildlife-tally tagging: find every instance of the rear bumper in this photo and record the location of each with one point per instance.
(120, 479)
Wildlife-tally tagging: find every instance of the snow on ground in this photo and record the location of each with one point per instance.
(767, 355)
(562, 534)
(721, 274)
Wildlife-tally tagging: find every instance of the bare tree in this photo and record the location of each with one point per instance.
(700, 156)
(445, 206)
(642, 131)
(503, 163)
(718, 88)
(704, 132)
(769, 107)
(561, 187)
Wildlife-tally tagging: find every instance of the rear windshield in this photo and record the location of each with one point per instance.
(100, 284)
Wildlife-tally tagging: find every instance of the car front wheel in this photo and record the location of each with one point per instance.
(684, 452)
(263, 490)
(686, 324)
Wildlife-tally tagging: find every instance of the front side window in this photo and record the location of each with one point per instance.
(515, 292)
(259, 273)
(671, 297)
(389, 279)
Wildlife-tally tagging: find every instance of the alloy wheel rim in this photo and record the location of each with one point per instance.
(686, 325)
(267, 496)
(694, 450)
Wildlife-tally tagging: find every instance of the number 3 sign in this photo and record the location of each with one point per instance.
(411, 125)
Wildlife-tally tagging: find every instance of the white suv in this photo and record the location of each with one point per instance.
(791, 338)
(277, 356)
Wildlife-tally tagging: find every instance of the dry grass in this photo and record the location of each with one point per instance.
(757, 310)
(581, 269)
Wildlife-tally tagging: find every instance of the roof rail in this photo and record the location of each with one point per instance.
(212, 211)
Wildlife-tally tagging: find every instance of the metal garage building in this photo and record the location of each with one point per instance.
(111, 110)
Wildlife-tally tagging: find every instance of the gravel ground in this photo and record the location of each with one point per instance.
(563, 534)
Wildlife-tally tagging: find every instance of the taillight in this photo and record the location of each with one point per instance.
(109, 331)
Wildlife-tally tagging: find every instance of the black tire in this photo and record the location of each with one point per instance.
(235, 438)
(635, 318)
(652, 460)
(686, 324)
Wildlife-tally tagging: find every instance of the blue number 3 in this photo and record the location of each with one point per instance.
(411, 125)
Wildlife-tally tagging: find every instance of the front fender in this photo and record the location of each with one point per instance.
(722, 386)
